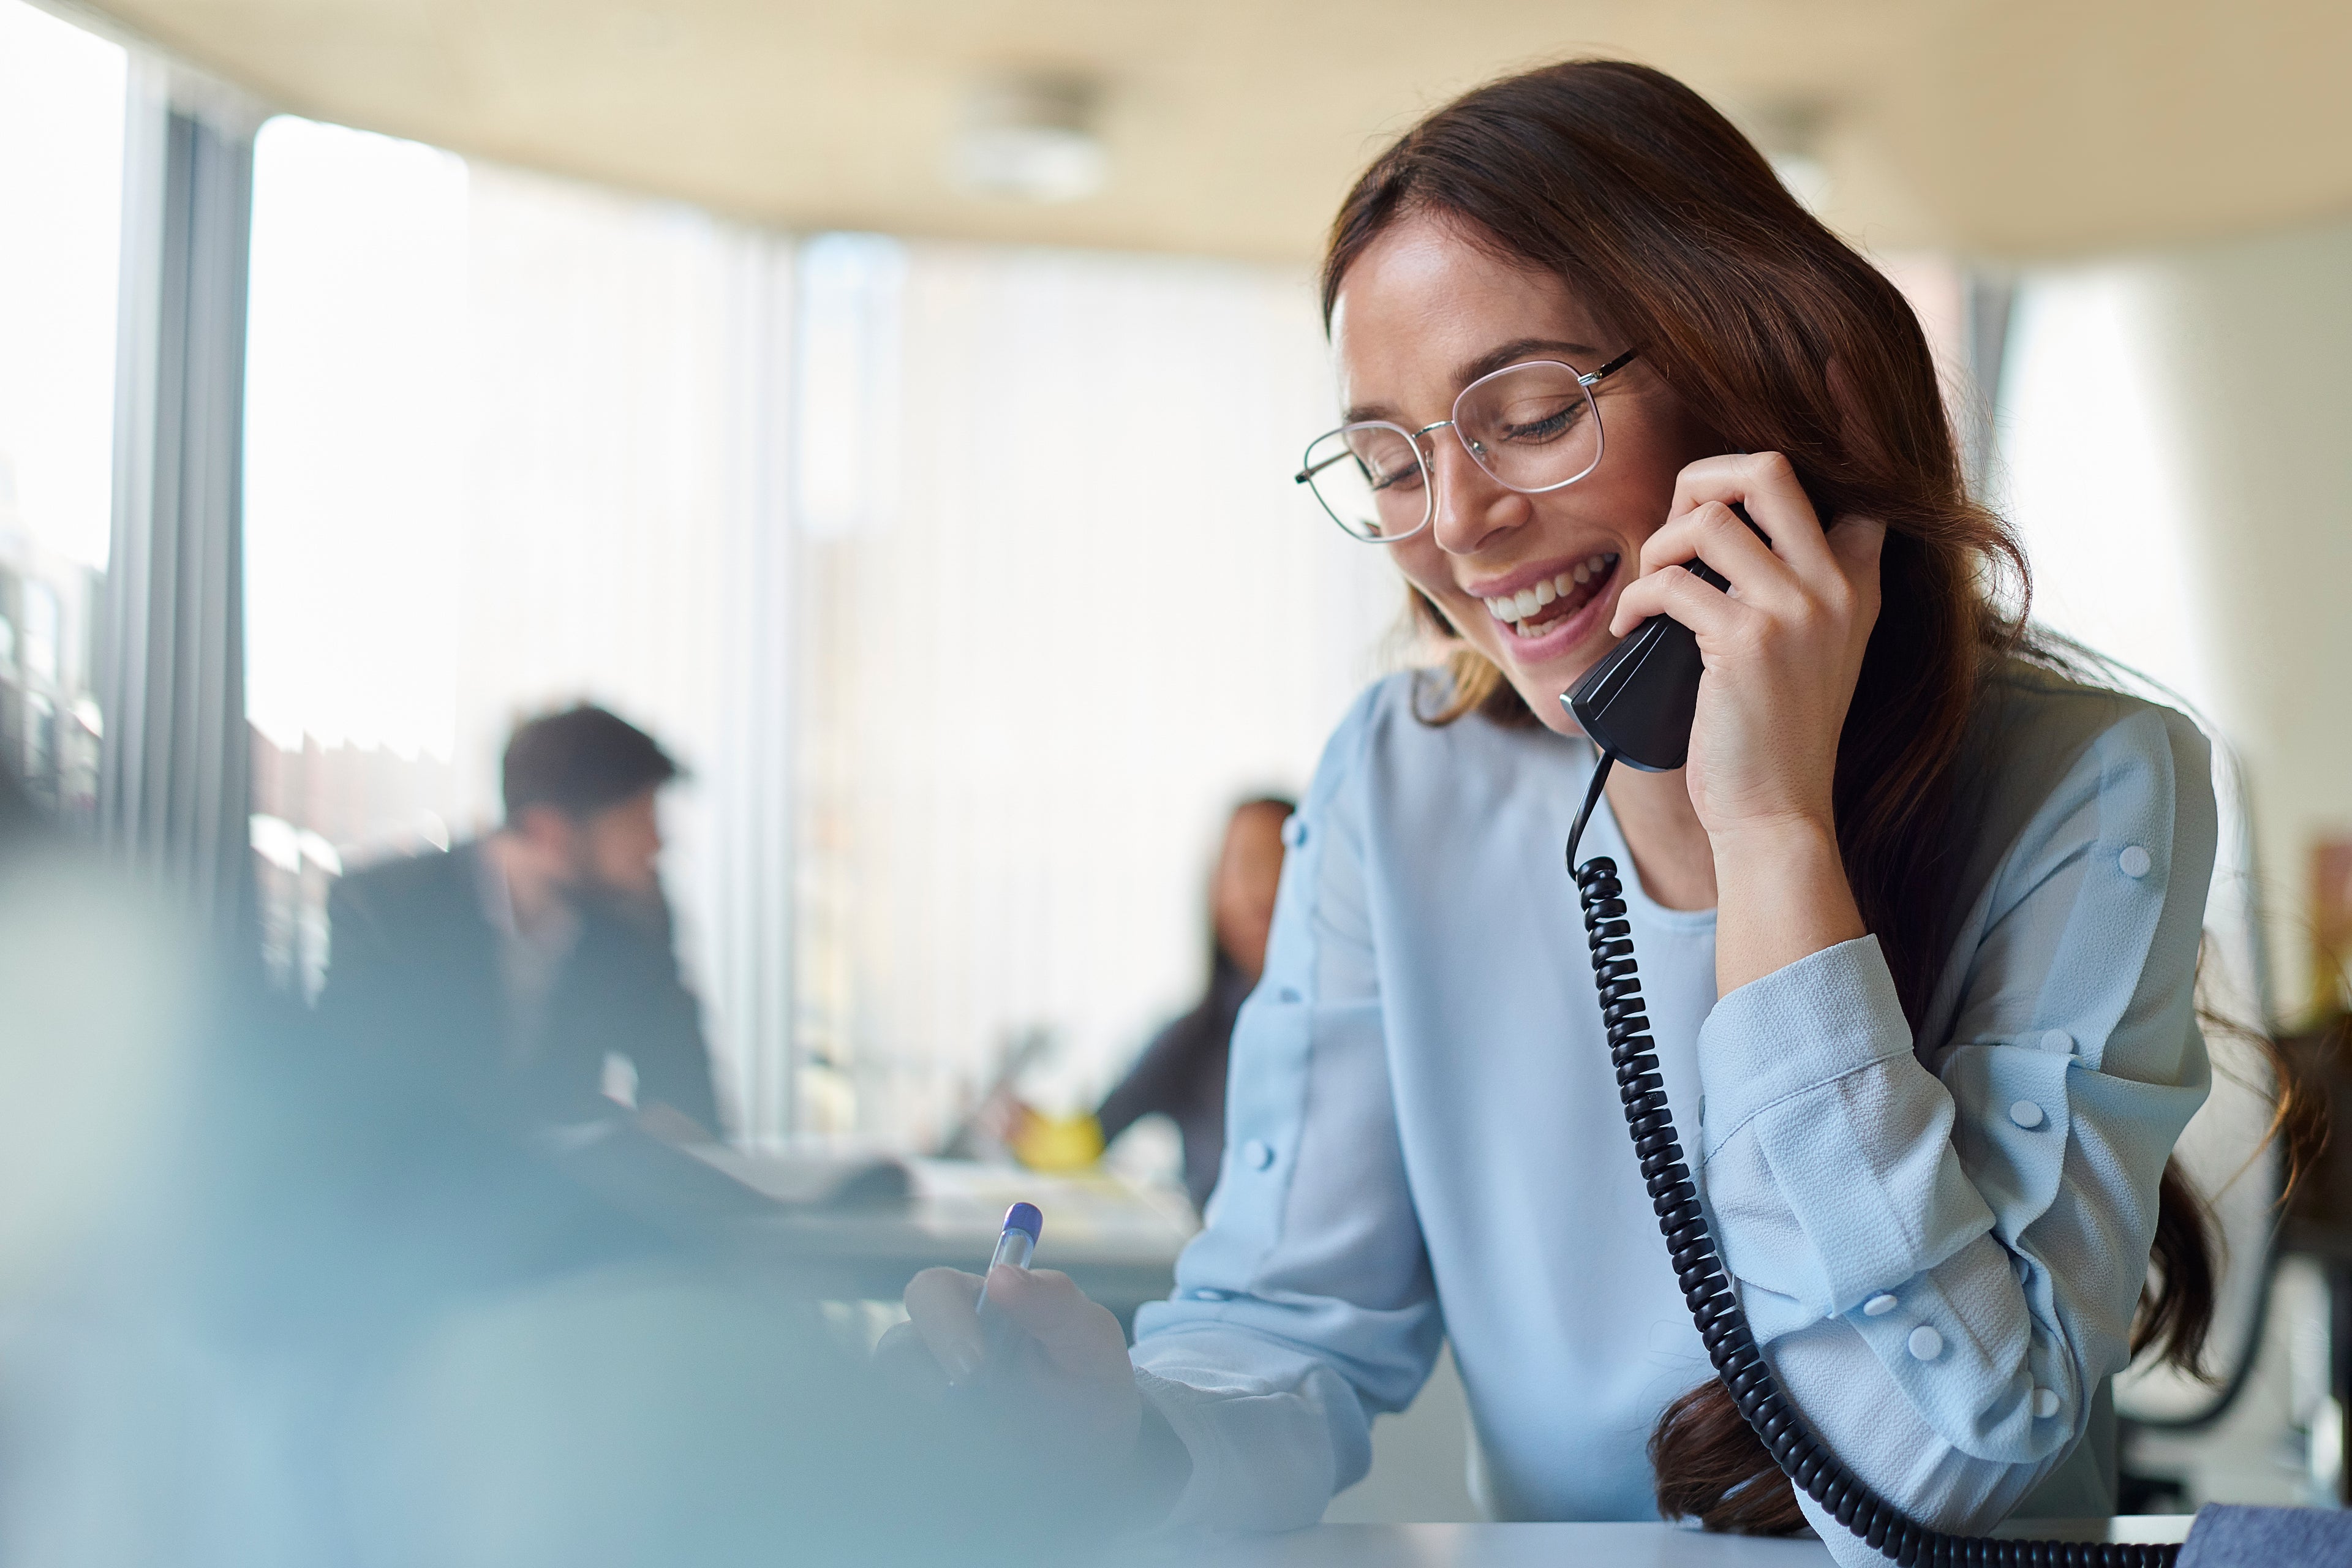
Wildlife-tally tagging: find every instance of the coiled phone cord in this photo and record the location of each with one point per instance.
(1708, 1292)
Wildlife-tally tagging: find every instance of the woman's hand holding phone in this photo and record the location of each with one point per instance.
(1782, 651)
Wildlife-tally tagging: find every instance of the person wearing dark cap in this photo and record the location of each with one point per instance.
(517, 969)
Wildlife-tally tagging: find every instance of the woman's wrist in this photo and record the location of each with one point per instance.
(1762, 843)
(1781, 895)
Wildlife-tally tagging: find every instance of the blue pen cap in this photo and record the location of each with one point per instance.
(1026, 1217)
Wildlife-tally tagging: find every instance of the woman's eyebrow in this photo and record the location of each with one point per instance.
(1486, 363)
(1495, 359)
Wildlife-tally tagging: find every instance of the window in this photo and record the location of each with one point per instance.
(61, 118)
(896, 558)
(1080, 611)
(507, 449)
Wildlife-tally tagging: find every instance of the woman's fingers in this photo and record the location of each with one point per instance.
(1077, 1335)
(942, 1304)
(1066, 1379)
(1857, 543)
(1766, 484)
(1674, 591)
(1713, 533)
(907, 1362)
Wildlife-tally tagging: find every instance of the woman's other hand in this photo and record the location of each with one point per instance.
(1064, 1382)
(1782, 652)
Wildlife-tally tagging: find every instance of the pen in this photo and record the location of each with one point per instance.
(1014, 1246)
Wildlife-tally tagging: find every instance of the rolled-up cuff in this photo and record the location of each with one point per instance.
(1262, 1458)
(1804, 1025)
(1182, 1406)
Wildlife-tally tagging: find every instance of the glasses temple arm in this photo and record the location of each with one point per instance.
(1606, 371)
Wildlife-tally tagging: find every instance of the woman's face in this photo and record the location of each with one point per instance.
(1419, 315)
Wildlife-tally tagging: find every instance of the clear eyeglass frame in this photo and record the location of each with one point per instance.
(1419, 441)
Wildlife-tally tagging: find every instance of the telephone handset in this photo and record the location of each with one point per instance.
(1638, 702)
(1636, 705)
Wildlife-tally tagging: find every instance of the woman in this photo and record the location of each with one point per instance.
(1918, 924)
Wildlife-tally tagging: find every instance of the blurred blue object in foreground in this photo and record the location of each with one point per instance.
(263, 1301)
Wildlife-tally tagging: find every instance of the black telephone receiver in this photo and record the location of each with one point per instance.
(1637, 705)
(1638, 702)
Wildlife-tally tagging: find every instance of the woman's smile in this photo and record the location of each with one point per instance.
(1555, 603)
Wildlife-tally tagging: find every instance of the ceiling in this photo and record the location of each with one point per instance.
(2000, 128)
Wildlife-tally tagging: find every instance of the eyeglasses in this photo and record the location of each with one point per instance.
(1532, 427)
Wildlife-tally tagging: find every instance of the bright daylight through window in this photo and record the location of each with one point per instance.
(862, 530)
(61, 116)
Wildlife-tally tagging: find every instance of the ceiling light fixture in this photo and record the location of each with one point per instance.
(1030, 138)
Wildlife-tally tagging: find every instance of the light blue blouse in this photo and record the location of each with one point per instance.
(1939, 1239)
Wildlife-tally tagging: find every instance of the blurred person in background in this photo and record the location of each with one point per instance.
(512, 971)
(1181, 1073)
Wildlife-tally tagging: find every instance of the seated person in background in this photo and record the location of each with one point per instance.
(511, 969)
(1181, 1073)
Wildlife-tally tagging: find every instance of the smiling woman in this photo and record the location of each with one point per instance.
(1738, 330)
(1919, 921)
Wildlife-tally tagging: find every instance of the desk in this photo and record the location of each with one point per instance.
(1561, 1546)
(1117, 1239)
(797, 1215)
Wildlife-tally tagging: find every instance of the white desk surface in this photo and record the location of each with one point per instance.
(1558, 1546)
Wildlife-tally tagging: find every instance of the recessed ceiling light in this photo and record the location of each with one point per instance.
(1030, 138)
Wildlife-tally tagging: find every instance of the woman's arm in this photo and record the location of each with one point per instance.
(1944, 1255)
(1158, 1080)
(1782, 652)
(1306, 1306)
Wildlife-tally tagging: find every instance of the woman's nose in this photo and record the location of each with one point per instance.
(1472, 509)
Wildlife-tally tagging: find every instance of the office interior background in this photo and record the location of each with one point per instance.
(894, 409)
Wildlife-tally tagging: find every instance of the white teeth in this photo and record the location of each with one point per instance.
(1518, 609)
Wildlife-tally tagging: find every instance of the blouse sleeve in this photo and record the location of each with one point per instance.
(1943, 1248)
(1305, 1305)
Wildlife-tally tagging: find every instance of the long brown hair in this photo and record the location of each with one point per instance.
(1676, 233)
